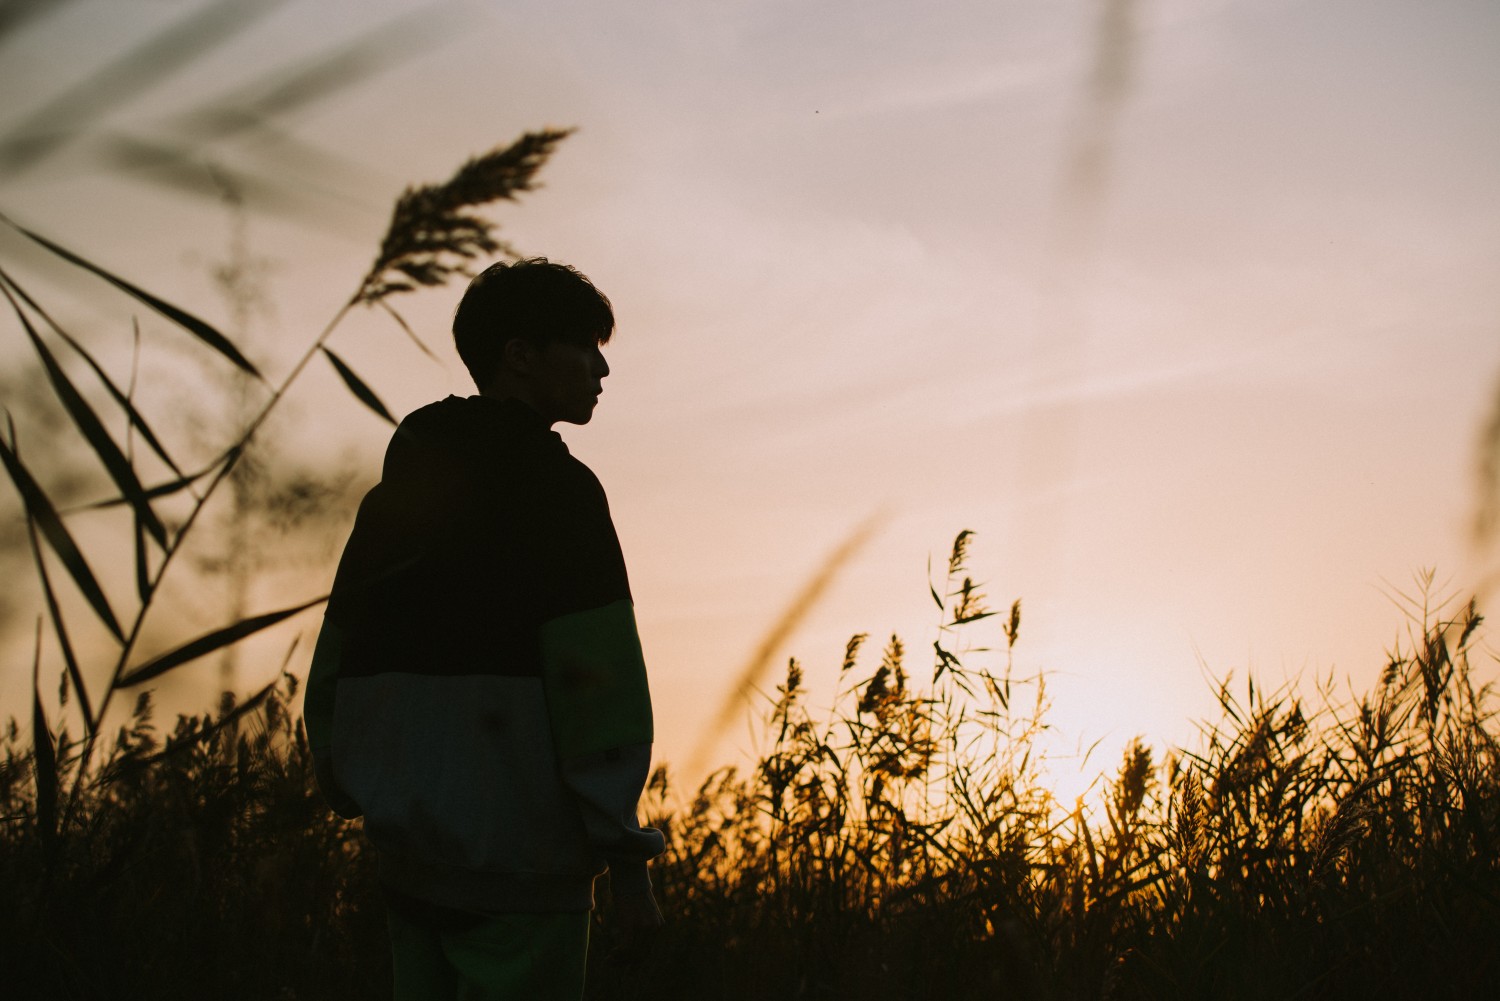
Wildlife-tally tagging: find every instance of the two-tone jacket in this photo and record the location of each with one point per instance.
(478, 691)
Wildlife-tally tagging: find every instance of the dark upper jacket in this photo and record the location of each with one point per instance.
(478, 691)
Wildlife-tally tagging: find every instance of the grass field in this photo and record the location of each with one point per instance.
(898, 844)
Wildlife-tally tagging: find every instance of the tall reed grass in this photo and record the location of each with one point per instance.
(906, 846)
(210, 870)
(900, 843)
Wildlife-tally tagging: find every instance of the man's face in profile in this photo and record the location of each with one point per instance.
(566, 379)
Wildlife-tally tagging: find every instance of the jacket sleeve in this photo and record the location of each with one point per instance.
(600, 710)
(317, 714)
(594, 678)
(387, 535)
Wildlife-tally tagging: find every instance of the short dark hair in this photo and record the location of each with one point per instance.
(541, 301)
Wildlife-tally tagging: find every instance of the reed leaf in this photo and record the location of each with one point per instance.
(142, 562)
(406, 328)
(56, 122)
(357, 386)
(322, 74)
(40, 508)
(93, 431)
(196, 737)
(59, 628)
(179, 168)
(164, 489)
(198, 328)
(16, 13)
(121, 398)
(44, 753)
(209, 642)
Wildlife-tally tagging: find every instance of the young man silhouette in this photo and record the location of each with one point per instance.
(478, 692)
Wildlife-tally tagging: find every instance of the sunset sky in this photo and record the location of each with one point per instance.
(1188, 308)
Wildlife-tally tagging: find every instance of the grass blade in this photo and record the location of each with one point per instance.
(198, 328)
(198, 736)
(17, 12)
(142, 567)
(56, 122)
(357, 386)
(60, 629)
(123, 399)
(302, 199)
(802, 604)
(401, 321)
(160, 490)
(209, 642)
(92, 429)
(43, 753)
(326, 73)
(39, 507)
(230, 457)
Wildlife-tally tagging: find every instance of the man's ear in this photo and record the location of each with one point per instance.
(518, 355)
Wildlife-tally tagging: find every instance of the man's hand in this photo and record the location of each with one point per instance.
(636, 919)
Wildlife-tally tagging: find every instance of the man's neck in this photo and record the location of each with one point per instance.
(502, 394)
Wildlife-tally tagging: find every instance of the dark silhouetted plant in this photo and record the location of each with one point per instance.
(904, 844)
